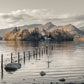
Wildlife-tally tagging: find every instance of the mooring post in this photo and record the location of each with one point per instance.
(42, 51)
(39, 51)
(36, 51)
(46, 49)
(29, 55)
(18, 57)
(11, 57)
(1, 60)
(33, 53)
(52, 47)
(24, 56)
(1, 66)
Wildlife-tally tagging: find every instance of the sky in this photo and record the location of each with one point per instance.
(25, 12)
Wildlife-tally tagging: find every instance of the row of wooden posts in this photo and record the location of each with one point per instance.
(35, 53)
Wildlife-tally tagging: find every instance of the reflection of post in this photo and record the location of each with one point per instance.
(24, 57)
(11, 57)
(18, 58)
(2, 66)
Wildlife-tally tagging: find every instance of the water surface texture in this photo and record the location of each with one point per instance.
(63, 60)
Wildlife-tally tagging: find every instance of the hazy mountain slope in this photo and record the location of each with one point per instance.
(3, 31)
(48, 26)
(82, 28)
(71, 29)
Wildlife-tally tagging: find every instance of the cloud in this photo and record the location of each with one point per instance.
(30, 16)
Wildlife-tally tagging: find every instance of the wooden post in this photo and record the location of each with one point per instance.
(33, 53)
(39, 51)
(24, 57)
(11, 57)
(1, 60)
(18, 57)
(42, 51)
(46, 49)
(52, 47)
(36, 51)
(1, 66)
(29, 55)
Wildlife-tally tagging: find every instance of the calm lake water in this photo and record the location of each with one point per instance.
(65, 60)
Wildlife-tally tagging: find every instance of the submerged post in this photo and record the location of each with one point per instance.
(11, 57)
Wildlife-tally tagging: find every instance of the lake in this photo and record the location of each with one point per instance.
(63, 60)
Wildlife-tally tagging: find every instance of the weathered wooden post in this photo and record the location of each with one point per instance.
(42, 51)
(33, 54)
(39, 52)
(1, 60)
(36, 52)
(11, 57)
(52, 47)
(1, 66)
(46, 49)
(18, 58)
(24, 56)
(29, 55)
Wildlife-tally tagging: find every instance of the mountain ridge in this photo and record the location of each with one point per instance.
(49, 27)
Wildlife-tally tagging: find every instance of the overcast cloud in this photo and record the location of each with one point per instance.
(35, 16)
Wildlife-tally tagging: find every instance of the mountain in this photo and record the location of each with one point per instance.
(3, 31)
(82, 28)
(71, 29)
(48, 26)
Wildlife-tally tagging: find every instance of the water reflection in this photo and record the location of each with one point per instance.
(54, 45)
(57, 59)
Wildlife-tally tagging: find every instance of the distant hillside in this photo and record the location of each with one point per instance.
(48, 26)
(71, 29)
(82, 28)
(3, 31)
